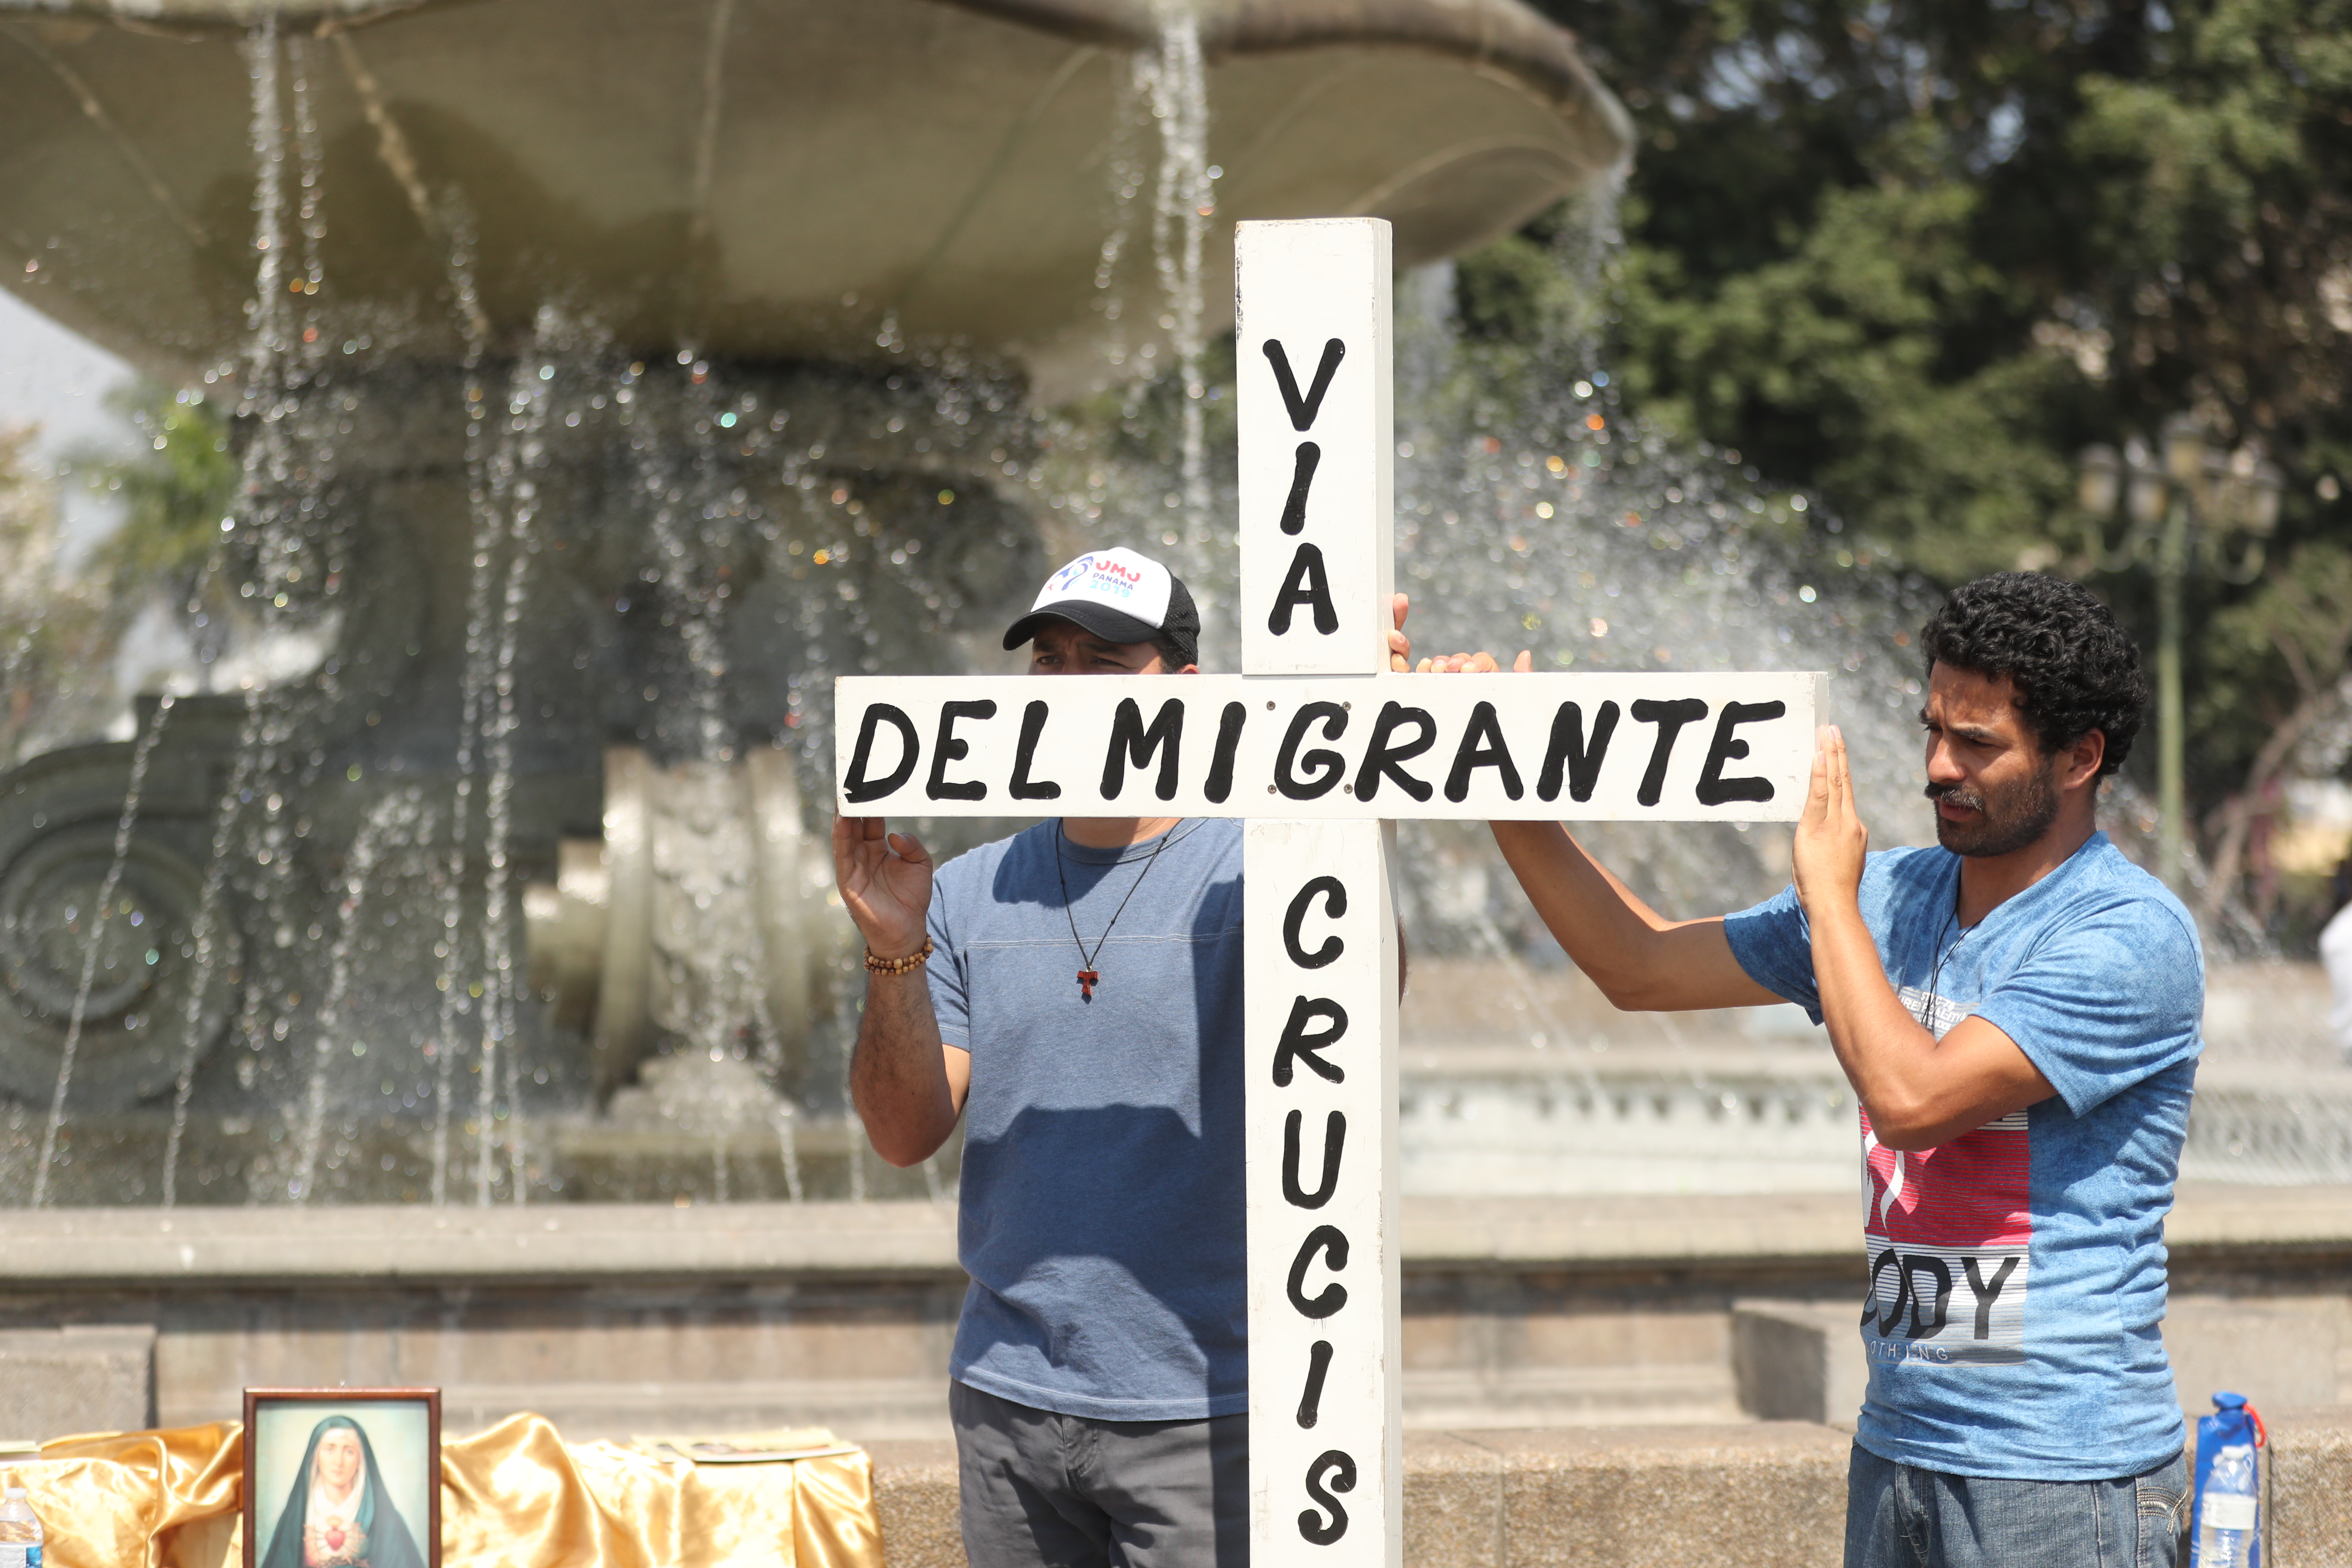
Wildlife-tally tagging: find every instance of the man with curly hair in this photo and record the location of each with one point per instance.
(2017, 1011)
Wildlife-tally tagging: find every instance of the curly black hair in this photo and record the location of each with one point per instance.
(2075, 668)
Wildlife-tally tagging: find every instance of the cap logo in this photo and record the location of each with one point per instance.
(1100, 575)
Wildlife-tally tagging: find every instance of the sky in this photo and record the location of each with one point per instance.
(59, 381)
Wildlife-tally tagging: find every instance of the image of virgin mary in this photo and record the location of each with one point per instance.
(338, 1515)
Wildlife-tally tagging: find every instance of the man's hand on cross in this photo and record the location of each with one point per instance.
(1401, 654)
(1481, 663)
(1831, 840)
(886, 883)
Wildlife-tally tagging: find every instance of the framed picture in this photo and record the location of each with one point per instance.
(343, 1477)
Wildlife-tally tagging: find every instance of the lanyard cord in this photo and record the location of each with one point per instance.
(1936, 976)
(1085, 958)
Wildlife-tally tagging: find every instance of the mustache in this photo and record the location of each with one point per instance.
(1956, 795)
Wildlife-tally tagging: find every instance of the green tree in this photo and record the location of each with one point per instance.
(173, 495)
(1913, 255)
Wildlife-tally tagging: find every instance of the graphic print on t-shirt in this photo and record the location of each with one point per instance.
(1948, 1231)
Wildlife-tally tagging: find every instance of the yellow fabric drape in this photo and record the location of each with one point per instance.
(516, 1496)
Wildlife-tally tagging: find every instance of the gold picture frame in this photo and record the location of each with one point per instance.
(296, 1458)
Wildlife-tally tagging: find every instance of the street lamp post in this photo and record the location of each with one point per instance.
(2195, 502)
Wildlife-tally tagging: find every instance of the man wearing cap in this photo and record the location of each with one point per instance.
(1075, 992)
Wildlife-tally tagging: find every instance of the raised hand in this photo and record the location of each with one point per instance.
(1832, 842)
(1400, 644)
(1479, 663)
(885, 879)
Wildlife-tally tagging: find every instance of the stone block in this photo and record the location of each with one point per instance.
(915, 1498)
(1803, 1361)
(2310, 1487)
(1668, 1496)
(1654, 1496)
(58, 1383)
(1452, 1501)
(1799, 1361)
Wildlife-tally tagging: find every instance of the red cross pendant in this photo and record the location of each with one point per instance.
(1088, 980)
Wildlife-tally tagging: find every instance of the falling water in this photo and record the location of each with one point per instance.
(208, 941)
(1176, 87)
(284, 476)
(395, 816)
(94, 950)
(500, 975)
(687, 555)
(281, 519)
(264, 727)
(450, 980)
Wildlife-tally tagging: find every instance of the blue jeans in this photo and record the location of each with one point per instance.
(1899, 1515)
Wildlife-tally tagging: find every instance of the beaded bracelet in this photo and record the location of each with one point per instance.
(906, 965)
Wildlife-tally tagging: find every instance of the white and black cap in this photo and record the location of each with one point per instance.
(1120, 596)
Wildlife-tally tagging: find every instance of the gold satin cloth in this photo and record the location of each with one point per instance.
(516, 1496)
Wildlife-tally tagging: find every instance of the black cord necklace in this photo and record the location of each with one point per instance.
(1936, 976)
(1088, 975)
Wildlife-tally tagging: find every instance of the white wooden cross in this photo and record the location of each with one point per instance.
(1317, 742)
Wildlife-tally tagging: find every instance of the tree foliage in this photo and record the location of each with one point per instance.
(53, 641)
(1913, 255)
(174, 494)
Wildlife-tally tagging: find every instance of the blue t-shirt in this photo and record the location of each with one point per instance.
(2017, 1272)
(1101, 1219)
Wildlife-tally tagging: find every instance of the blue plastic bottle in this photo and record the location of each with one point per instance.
(2226, 1529)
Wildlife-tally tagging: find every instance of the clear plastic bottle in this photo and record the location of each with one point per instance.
(20, 1531)
(2225, 1526)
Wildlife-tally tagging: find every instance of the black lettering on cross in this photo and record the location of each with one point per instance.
(1308, 585)
(1131, 742)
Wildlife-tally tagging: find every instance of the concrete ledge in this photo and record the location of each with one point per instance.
(1804, 1361)
(554, 1243)
(1630, 1497)
(403, 1244)
(2310, 1488)
(1631, 1229)
(915, 1495)
(2212, 1216)
(58, 1381)
(1795, 1360)
(1770, 1495)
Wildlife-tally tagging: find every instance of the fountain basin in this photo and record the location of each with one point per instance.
(606, 375)
(767, 179)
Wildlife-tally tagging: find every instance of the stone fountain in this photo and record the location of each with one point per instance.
(606, 375)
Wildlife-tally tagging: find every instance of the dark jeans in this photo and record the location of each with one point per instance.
(1045, 1490)
(1899, 1515)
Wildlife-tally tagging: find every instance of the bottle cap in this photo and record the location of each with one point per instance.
(13, 1493)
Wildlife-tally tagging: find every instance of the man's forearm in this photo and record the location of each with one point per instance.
(1920, 1090)
(1882, 1047)
(1605, 929)
(1639, 960)
(897, 1078)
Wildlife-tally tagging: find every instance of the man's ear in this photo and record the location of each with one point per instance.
(1189, 669)
(2083, 759)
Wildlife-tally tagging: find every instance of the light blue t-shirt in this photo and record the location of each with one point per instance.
(2017, 1272)
(1101, 1219)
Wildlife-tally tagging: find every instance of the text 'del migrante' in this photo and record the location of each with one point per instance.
(1591, 747)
